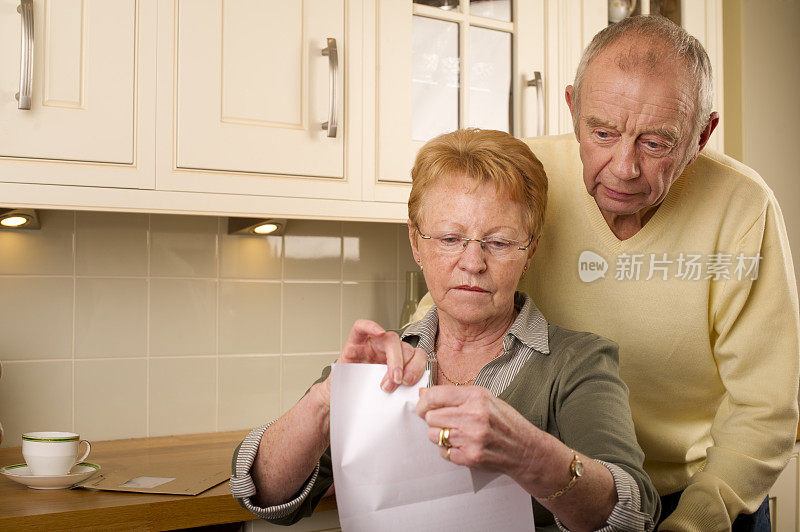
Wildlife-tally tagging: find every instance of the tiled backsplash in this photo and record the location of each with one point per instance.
(126, 325)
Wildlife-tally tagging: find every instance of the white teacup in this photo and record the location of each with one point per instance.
(52, 453)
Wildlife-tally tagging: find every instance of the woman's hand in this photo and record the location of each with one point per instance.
(369, 343)
(485, 432)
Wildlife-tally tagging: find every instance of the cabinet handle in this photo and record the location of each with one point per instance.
(333, 94)
(537, 82)
(25, 9)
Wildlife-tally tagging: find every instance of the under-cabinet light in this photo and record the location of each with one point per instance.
(19, 219)
(256, 226)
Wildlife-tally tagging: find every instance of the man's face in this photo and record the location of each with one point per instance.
(636, 133)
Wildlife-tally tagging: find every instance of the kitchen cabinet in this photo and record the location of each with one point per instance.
(217, 106)
(441, 69)
(245, 90)
(494, 65)
(86, 116)
(784, 497)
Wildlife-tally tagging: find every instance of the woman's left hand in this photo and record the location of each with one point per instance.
(485, 432)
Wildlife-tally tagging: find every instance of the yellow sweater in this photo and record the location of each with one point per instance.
(711, 362)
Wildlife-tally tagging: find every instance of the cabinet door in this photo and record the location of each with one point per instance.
(83, 104)
(784, 497)
(445, 64)
(253, 90)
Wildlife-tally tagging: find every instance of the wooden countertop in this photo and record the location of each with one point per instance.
(25, 509)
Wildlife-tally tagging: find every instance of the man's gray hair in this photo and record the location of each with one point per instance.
(667, 40)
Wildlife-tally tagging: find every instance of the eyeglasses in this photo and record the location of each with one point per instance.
(454, 243)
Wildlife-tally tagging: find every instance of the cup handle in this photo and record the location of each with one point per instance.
(88, 450)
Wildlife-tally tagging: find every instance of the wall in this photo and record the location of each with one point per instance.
(762, 73)
(128, 325)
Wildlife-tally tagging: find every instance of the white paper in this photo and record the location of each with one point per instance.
(388, 476)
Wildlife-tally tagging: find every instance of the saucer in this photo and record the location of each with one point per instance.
(22, 474)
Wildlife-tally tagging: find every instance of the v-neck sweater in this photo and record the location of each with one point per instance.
(711, 362)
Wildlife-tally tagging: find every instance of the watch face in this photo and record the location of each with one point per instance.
(577, 467)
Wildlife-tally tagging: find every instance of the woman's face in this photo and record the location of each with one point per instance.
(472, 286)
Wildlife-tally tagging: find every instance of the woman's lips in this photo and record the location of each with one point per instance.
(471, 288)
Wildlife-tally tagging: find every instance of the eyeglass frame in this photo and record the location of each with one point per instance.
(466, 241)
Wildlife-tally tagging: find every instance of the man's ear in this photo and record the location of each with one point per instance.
(569, 96)
(705, 134)
(713, 120)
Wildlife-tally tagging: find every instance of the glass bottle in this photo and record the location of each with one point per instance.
(410, 304)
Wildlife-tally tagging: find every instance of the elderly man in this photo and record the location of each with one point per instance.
(699, 290)
(682, 258)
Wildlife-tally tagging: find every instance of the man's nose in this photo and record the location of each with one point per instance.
(625, 162)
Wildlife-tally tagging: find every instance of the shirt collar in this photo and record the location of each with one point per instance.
(530, 327)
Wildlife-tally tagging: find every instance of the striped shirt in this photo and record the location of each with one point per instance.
(526, 336)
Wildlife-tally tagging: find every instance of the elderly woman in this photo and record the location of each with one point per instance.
(508, 391)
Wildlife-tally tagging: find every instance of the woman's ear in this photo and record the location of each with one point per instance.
(532, 251)
(412, 239)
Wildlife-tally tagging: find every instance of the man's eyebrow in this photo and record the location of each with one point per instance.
(595, 121)
(664, 132)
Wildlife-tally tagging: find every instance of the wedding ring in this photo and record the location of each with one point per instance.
(444, 438)
(447, 454)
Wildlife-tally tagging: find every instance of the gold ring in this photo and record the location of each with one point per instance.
(444, 438)
(447, 454)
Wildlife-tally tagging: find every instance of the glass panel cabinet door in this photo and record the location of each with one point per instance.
(449, 64)
(434, 77)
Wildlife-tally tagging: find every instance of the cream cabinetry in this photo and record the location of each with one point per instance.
(217, 106)
(438, 70)
(90, 66)
(431, 74)
(244, 89)
(784, 497)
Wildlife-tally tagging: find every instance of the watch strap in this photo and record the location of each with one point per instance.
(576, 468)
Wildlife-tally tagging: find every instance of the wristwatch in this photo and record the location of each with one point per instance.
(576, 470)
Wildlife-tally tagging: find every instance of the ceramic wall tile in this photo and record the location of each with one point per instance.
(376, 301)
(313, 250)
(37, 320)
(46, 251)
(250, 256)
(196, 332)
(311, 317)
(111, 399)
(183, 317)
(183, 246)
(250, 317)
(111, 243)
(249, 391)
(35, 396)
(370, 251)
(183, 395)
(110, 317)
(299, 373)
